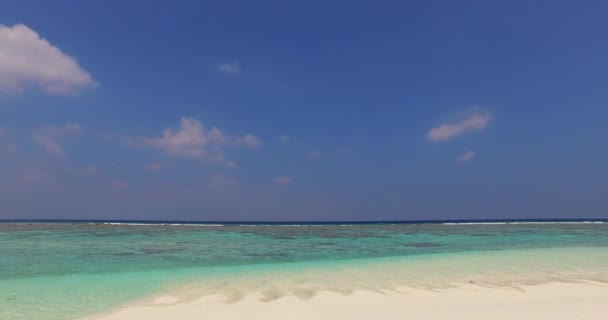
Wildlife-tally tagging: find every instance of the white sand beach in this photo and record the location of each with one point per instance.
(546, 301)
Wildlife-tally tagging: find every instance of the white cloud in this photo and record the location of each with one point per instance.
(313, 155)
(153, 166)
(281, 181)
(91, 169)
(249, 140)
(229, 67)
(192, 139)
(50, 138)
(284, 139)
(26, 58)
(475, 120)
(467, 156)
(32, 176)
(119, 184)
(216, 136)
(230, 164)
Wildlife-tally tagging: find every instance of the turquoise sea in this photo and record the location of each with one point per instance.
(77, 270)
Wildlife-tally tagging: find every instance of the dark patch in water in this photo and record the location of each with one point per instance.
(423, 245)
(283, 238)
(268, 255)
(127, 253)
(160, 250)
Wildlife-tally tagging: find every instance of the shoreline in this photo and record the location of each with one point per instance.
(180, 294)
(556, 300)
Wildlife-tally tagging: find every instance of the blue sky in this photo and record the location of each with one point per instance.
(269, 110)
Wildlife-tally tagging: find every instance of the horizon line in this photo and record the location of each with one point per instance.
(294, 222)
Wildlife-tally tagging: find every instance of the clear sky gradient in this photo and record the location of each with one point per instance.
(315, 110)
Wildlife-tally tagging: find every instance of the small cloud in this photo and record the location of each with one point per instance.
(31, 176)
(313, 155)
(29, 59)
(467, 156)
(221, 182)
(230, 164)
(50, 137)
(153, 166)
(216, 136)
(475, 120)
(282, 181)
(249, 140)
(189, 140)
(91, 169)
(193, 140)
(119, 184)
(284, 139)
(229, 67)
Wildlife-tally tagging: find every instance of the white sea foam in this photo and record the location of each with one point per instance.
(159, 224)
(464, 223)
(521, 222)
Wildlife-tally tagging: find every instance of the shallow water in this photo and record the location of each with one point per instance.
(71, 271)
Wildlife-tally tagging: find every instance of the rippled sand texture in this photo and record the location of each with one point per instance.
(554, 301)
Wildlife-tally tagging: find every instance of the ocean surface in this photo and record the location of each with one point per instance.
(75, 270)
